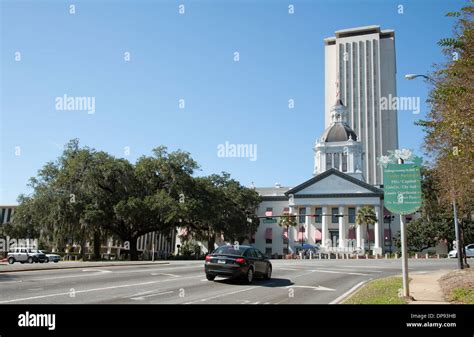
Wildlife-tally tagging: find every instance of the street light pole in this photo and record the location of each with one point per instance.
(456, 224)
(153, 247)
(403, 237)
(458, 236)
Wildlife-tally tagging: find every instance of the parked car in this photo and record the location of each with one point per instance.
(23, 255)
(51, 257)
(469, 251)
(234, 261)
(38, 255)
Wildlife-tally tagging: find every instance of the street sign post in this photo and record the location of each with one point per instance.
(402, 195)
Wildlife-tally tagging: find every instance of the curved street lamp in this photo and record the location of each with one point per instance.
(413, 76)
(456, 224)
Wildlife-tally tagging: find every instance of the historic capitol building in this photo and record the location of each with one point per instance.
(360, 62)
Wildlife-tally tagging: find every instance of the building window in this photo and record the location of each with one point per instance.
(328, 161)
(319, 215)
(268, 251)
(336, 161)
(334, 213)
(352, 215)
(269, 212)
(268, 235)
(302, 213)
(344, 162)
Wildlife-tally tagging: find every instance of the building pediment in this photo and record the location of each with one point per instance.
(334, 182)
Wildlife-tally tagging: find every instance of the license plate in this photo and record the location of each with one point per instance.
(221, 261)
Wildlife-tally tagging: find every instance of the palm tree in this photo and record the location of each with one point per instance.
(366, 215)
(287, 221)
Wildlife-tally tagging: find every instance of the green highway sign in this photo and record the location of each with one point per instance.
(269, 220)
(402, 188)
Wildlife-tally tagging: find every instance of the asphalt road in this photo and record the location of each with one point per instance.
(184, 282)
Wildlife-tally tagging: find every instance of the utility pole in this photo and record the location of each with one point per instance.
(153, 247)
(403, 237)
(458, 236)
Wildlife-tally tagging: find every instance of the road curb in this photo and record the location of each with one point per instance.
(78, 267)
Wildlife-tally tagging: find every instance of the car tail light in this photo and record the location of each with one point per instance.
(240, 260)
(208, 258)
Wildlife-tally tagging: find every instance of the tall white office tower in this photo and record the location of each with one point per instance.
(362, 62)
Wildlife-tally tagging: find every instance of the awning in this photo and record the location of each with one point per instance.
(285, 233)
(268, 234)
(318, 236)
(352, 234)
(301, 236)
(387, 234)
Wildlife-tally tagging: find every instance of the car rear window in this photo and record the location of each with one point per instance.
(231, 250)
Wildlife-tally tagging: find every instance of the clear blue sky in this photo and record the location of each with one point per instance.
(191, 56)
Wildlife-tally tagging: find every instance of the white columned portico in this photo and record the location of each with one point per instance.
(324, 229)
(377, 231)
(342, 227)
(307, 223)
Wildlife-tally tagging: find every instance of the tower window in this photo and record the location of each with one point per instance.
(328, 161)
(344, 162)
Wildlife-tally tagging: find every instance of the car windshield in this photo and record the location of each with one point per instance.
(230, 250)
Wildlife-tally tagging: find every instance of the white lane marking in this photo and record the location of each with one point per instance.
(220, 295)
(95, 273)
(337, 272)
(311, 287)
(157, 269)
(94, 289)
(141, 298)
(347, 293)
(19, 281)
(172, 275)
(290, 269)
(98, 270)
(143, 293)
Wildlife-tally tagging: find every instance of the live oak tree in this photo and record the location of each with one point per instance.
(216, 206)
(88, 195)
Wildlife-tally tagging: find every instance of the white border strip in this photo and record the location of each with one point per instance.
(349, 292)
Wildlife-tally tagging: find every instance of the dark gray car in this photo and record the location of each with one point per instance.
(236, 261)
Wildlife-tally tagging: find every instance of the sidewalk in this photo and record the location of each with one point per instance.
(425, 288)
(17, 267)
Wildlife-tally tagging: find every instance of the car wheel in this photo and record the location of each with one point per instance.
(56, 261)
(30, 260)
(11, 260)
(210, 277)
(249, 276)
(268, 274)
(47, 260)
